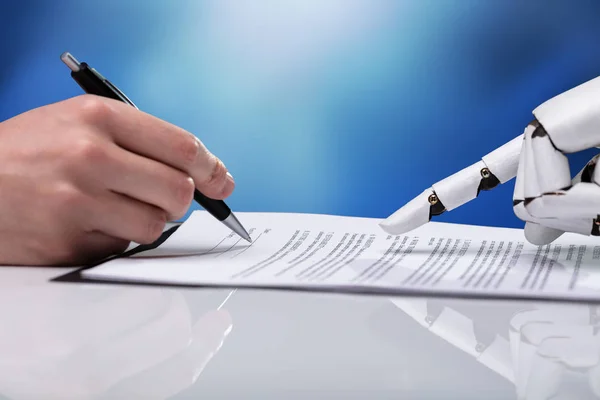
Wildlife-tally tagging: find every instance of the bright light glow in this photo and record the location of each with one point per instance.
(280, 37)
(259, 66)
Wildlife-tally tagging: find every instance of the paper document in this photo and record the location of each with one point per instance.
(323, 252)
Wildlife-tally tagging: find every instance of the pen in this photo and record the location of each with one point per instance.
(92, 82)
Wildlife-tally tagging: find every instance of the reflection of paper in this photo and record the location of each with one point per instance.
(347, 253)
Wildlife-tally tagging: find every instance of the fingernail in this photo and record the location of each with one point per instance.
(228, 186)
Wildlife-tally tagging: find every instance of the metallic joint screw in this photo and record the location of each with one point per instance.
(433, 199)
(485, 173)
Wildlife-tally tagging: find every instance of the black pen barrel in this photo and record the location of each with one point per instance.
(91, 83)
(216, 208)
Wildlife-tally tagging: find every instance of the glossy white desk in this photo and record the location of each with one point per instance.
(71, 341)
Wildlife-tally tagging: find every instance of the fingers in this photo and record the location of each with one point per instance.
(503, 162)
(543, 171)
(541, 235)
(582, 201)
(465, 185)
(570, 121)
(153, 138)
(144, 180)
(542, 232)
(213, 180)
(572, 118)
(554, 211)
(461, 187)
(495, 168)
(122, 217)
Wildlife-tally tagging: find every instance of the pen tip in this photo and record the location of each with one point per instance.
(234, 224)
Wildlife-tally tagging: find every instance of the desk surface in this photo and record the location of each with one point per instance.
(71, 341)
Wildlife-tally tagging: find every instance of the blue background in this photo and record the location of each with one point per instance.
(346, 107)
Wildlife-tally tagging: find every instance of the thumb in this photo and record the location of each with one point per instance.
(541, 235)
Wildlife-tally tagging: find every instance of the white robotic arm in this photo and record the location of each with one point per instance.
(544, 196)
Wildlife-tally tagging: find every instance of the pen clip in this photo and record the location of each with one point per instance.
(119, 93)
(109, 84)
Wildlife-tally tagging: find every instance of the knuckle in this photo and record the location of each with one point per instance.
(188, 150)
(154, 227)
(87, 150)
(69, 198)
(93, 109)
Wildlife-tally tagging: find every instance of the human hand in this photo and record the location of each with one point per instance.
(545, 196)
(82, 178)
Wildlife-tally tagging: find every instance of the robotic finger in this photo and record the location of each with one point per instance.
(493, 169)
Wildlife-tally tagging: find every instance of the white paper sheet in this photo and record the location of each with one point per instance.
(323, 252)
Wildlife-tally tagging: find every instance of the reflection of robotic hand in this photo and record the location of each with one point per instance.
(476, 330)
(544, 194)
(67, 342)
(556, 352)
(552, 351)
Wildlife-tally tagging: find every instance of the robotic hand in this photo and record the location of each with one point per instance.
(545, 197)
